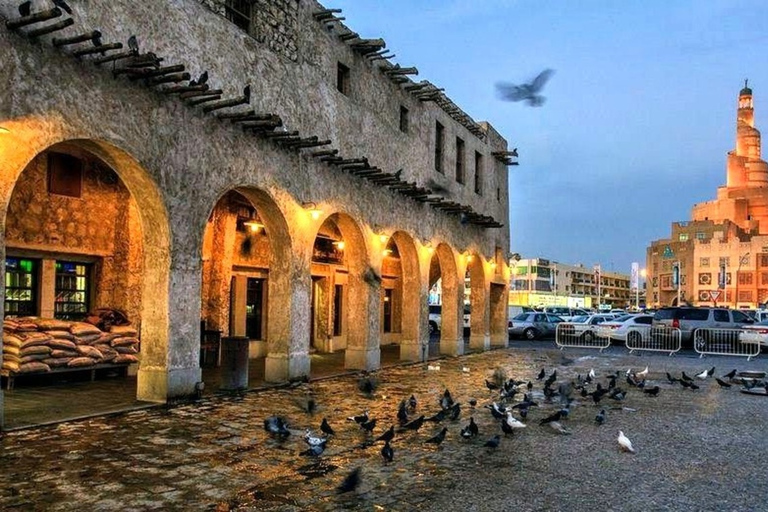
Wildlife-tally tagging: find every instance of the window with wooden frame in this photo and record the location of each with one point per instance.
(21, 286)
(342, 79)
(439, 143)
(403, 119)
(65, 175)
(478, 173)
(239, 13)
(72, 290)
(460, 160)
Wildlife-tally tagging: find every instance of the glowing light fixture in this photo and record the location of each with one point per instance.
(468, 257)
(429, 248)
(383, 238)
(339, 244)
(3, 129)
(313, 210)
(493, 264)
(387, 252)
(253, 225)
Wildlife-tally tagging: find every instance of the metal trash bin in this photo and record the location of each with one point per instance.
(234, 362)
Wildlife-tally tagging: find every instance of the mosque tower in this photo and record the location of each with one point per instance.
(744, 167)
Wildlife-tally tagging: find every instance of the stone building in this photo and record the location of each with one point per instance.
(254, 167)
(722, 253)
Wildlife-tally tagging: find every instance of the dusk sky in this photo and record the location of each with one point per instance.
(639, 116)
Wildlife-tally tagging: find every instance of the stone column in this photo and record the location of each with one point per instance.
(239, 296)
(224, 238)
(47, 287)
(499, 295)
(363, 323)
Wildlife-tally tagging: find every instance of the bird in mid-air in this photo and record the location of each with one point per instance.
(530, 92)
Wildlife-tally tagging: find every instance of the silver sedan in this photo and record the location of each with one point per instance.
(533, 325)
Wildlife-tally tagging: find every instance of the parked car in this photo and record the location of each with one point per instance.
(513, 311)
(755, 333)
(533, 325)
(688, 319)
(435, 314)
(585, 326)
(617, 329)
(564, 312)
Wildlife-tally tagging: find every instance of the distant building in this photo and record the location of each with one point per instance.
(542, 282)
(722, 254)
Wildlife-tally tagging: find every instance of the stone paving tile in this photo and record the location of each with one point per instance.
(697, 450)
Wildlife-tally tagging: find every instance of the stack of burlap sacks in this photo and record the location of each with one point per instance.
(32, 344)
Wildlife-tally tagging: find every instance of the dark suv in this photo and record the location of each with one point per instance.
(688, 319)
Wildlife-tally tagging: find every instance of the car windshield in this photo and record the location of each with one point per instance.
(579, 319)
(521, 317)
(622, 318)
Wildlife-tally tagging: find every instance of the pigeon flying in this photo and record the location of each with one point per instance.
(624, 443)
(351, 481)
(642, 374)
(276, 425)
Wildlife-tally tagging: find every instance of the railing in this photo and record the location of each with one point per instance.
(653, 339)
(727, 342)
(569, 335)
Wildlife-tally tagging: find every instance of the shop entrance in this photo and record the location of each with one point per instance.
(254, 308)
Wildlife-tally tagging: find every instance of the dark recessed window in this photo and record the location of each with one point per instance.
(342, 79)
(459, 160)
(498, 194)
(439, 142)
(338, 305)
(478, 173)
(403, 119)
(65, 175)
(239, 13)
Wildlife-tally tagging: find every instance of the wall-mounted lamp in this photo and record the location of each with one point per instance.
(313, 210)
(3, 129)
(468, 257)
(386, 252)
(493, 264)
(253, 225)
(383, 238)
(339, 244)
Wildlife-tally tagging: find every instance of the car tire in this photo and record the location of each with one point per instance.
(634, 338)
(432, 327)
(530, 334)
(588, 337)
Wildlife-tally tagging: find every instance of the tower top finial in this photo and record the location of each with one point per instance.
(746, 91)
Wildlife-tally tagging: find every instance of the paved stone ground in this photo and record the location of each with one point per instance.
(697, 450)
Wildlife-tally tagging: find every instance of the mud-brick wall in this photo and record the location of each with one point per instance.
(101, 226)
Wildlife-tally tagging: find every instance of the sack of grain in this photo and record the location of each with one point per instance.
(62, 335)
(26, 327)
(83, 328)
(121, 342)
(11, 366)
(34, 367)
(126, 349)
(88, 351)
(14, 358)
(57, 362)
(107, 352)
(52, 324)
(12, 340)
(62, 344)
(125, 358)
(10, 349)
(64, 353)
(10, 324)
(81, 361)
(35, 349)
(106, 337)
(124, 330)
(33, 358)
(87, 339)
(34, 338)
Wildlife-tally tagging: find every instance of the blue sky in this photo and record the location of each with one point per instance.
(639, 114)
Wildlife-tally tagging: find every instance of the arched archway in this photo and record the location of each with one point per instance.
(115, 239)
(246, 288)
(345, 294)
(443, 266)
(403, 296)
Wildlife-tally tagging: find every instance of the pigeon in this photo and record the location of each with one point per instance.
(493, 442)
(654, 391)
(612, 381)
(25, 8)
(529, 385)
(415, 424)
(387, 452)
(362, 418)
(133, 45)
(513, 422)
(528, 92)
(685, 377)
(61, 3)
(313, 440)
(438, 438)
(387, 436)
(591, 373)
(730, 374)
(454, 412)
(368, 426)
(439, 416)
(711, 372)
(689, 384)
(624, 443)
(671, 379)
(703, 375)
(506, 428)
(497, 410)
(412, 403)
(600, 418)
(642, 374)
(470, 430)
(540, 375)
(325, 428)
(552, 417)
(277, 426)
(490, 385)
(446, 401)
(558, 427)
(617, 394)
(367, 385)
(722, 384)
(313, 451)
(402, 413)
(350, 482)
(472, 402)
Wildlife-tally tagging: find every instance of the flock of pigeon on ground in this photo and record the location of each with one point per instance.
(508, 411)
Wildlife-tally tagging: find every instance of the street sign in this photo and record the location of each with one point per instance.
(714, 295)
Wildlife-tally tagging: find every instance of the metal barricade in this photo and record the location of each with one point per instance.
(570, 335)
(725, 342)
(653, 339)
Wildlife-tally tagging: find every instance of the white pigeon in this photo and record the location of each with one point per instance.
(314, 441)
(465, 369)
(513, 422)
(643, 373)
(558, 427)
(703, 375)
(592, 373)
(625, 444)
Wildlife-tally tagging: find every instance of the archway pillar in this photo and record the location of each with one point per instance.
(479, 336)
(452, 317)
(363, 347)
(499, 296)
